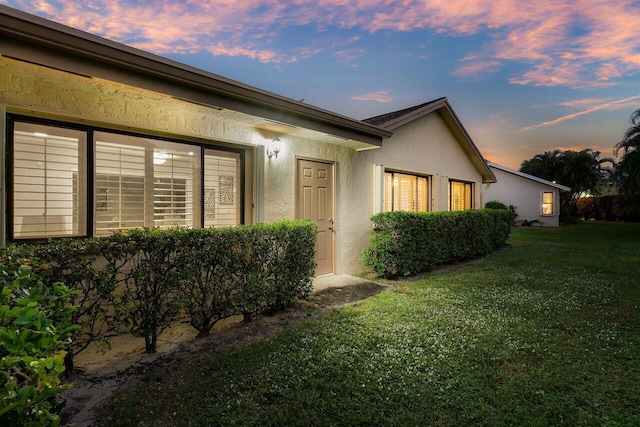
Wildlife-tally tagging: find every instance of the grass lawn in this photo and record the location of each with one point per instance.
(545, 332)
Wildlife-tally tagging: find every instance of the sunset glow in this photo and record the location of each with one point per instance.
(524, 77)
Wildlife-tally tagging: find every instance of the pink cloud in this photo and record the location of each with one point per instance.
(379, 96)
(588, 109)
(575, 43)
(474, 66)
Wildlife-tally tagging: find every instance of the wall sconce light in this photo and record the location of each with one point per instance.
(274, 148)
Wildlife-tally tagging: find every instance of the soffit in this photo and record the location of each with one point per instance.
(32, 39)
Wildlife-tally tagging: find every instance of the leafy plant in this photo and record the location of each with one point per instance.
(76, 264)
(35, 327)
(149, 272)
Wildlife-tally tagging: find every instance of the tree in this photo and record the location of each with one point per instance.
(583, 171)
(547, 165)
(627, 172)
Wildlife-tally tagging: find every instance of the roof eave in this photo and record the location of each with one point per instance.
(529, 177)
(28, 37)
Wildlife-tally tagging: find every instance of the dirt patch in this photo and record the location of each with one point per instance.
(337, 296)
(99, 375)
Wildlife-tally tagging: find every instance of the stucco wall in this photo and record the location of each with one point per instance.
(424, 146)
(42, 92)
(427, 146)
(525, 194)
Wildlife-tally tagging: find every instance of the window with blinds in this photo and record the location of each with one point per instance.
(137, 181)
(406, 192)
(119, 187)
(49, 181)
(460, 195)
(221, 183)
(144, 182)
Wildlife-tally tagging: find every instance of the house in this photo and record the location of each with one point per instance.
(99, 136)
(535, 199)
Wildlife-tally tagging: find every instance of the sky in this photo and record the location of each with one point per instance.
(523, 76)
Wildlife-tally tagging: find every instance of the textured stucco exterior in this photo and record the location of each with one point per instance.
(424, 146)
(526, 195)
(40, 92)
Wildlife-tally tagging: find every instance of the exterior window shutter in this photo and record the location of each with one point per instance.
(378, 189)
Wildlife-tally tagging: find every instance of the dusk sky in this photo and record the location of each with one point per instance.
(523, 76)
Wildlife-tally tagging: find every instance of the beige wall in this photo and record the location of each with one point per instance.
(427, 146)
(525, 194)
(424, 146)
(45, 93)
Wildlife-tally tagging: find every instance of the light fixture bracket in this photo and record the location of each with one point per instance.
(274, 148)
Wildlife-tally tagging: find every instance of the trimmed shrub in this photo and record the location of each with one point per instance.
(495, 204)
(141, 280)
(294, 252)
(408, 243)
(149, 271)
(205, 284)
(73, 262)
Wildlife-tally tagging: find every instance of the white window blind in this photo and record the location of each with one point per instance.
(48, 181)
(145, 182)
(460, 195)
(119, 187)
(406, 192)
(221, 188)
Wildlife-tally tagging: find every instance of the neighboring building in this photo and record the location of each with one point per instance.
(429, 164)
(535, 199)
(99, 136)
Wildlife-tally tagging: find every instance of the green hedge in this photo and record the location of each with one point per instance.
(59, 296)
(140, 280)
(408, 243)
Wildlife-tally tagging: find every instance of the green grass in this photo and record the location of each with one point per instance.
(546, 332)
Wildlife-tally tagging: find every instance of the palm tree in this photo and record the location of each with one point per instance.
(583, 171)
(547, 165)
(628, 169)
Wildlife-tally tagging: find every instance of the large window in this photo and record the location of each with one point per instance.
(405, 192)
(144, 182)
(49, 182)
(134, 181)
(460, 195)
(547, 203)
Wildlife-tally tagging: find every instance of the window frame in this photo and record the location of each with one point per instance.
(552, 203)
(90, 206)
(470, 188)
(428, 189)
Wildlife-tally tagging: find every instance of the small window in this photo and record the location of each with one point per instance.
(460, 195)
(405, 192)
(221, 183)
(547, 203)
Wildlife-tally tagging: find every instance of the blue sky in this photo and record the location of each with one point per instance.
(524, 77)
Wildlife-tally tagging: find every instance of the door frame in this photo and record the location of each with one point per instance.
(333, 166)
